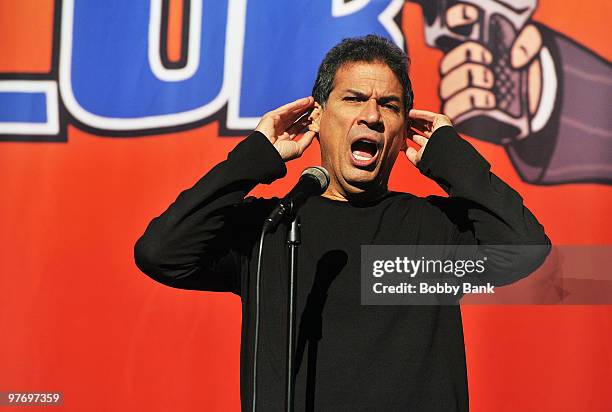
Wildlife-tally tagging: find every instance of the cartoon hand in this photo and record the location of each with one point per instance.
(283, 124)
(487, 81)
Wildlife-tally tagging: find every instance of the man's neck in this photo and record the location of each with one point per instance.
(365, 196)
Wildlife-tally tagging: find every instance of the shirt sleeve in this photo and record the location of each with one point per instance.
(500, 225)
(198, 242)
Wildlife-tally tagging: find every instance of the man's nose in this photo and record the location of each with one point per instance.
(370, 116)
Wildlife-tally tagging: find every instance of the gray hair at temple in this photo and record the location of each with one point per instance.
(370, 48)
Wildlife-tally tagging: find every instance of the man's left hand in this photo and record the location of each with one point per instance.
(423, 124)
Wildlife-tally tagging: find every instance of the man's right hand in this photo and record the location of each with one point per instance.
(280, 128)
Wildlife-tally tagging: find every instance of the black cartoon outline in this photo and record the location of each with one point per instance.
(568, 138)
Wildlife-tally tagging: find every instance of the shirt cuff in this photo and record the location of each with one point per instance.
(257, 155)
(450, 160)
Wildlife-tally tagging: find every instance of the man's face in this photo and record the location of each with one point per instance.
(361, 128)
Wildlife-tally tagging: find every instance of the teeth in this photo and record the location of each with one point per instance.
(358, 157)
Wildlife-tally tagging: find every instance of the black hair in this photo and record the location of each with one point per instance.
(370, 48)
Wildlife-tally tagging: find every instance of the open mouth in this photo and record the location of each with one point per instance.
(364, 152)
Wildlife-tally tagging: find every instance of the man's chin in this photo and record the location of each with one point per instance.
(361, 180)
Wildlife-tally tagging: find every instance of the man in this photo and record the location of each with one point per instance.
(348, 356)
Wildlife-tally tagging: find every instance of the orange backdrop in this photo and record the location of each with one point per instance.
(77, 316)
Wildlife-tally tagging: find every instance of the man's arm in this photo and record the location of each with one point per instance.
(200, 240)
(496, 212)
(192, 245)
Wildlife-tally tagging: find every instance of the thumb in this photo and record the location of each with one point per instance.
(526, 46)
(412, 155)
(305, 141)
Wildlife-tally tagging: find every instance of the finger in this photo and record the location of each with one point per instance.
(305, 141)
(465, 76)
(468, 99)
(301, 123)
(294, 120)
(412, 155)
(422, 124)
(461, 15)
(292, 114)
(420, 140)
(296, 104)
(422, 127)
(424, 116)
(468, 52)
(423, 130)
(526, 46)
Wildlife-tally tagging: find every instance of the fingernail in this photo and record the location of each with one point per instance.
(470, 13)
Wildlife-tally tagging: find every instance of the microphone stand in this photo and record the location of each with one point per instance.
(293, 240)
(313, 180)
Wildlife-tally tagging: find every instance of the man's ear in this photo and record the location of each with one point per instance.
(315, 118)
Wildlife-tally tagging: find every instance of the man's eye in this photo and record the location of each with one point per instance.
(392, 107)
(352, 99)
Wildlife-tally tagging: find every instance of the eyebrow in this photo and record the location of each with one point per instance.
(382, 100)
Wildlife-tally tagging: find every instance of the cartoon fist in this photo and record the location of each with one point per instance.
(491, 73)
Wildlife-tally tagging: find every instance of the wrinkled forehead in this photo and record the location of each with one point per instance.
(367, 77)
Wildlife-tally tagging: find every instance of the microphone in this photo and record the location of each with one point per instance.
(313, 181)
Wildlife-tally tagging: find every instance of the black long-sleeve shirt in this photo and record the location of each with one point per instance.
(348, 356)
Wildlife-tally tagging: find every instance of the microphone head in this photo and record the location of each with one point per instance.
(320, 174)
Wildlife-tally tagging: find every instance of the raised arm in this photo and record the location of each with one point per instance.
(200, 240)
(495, 211)
(189, 246)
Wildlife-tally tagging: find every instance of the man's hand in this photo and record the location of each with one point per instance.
(280, 127)
(423, 125)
